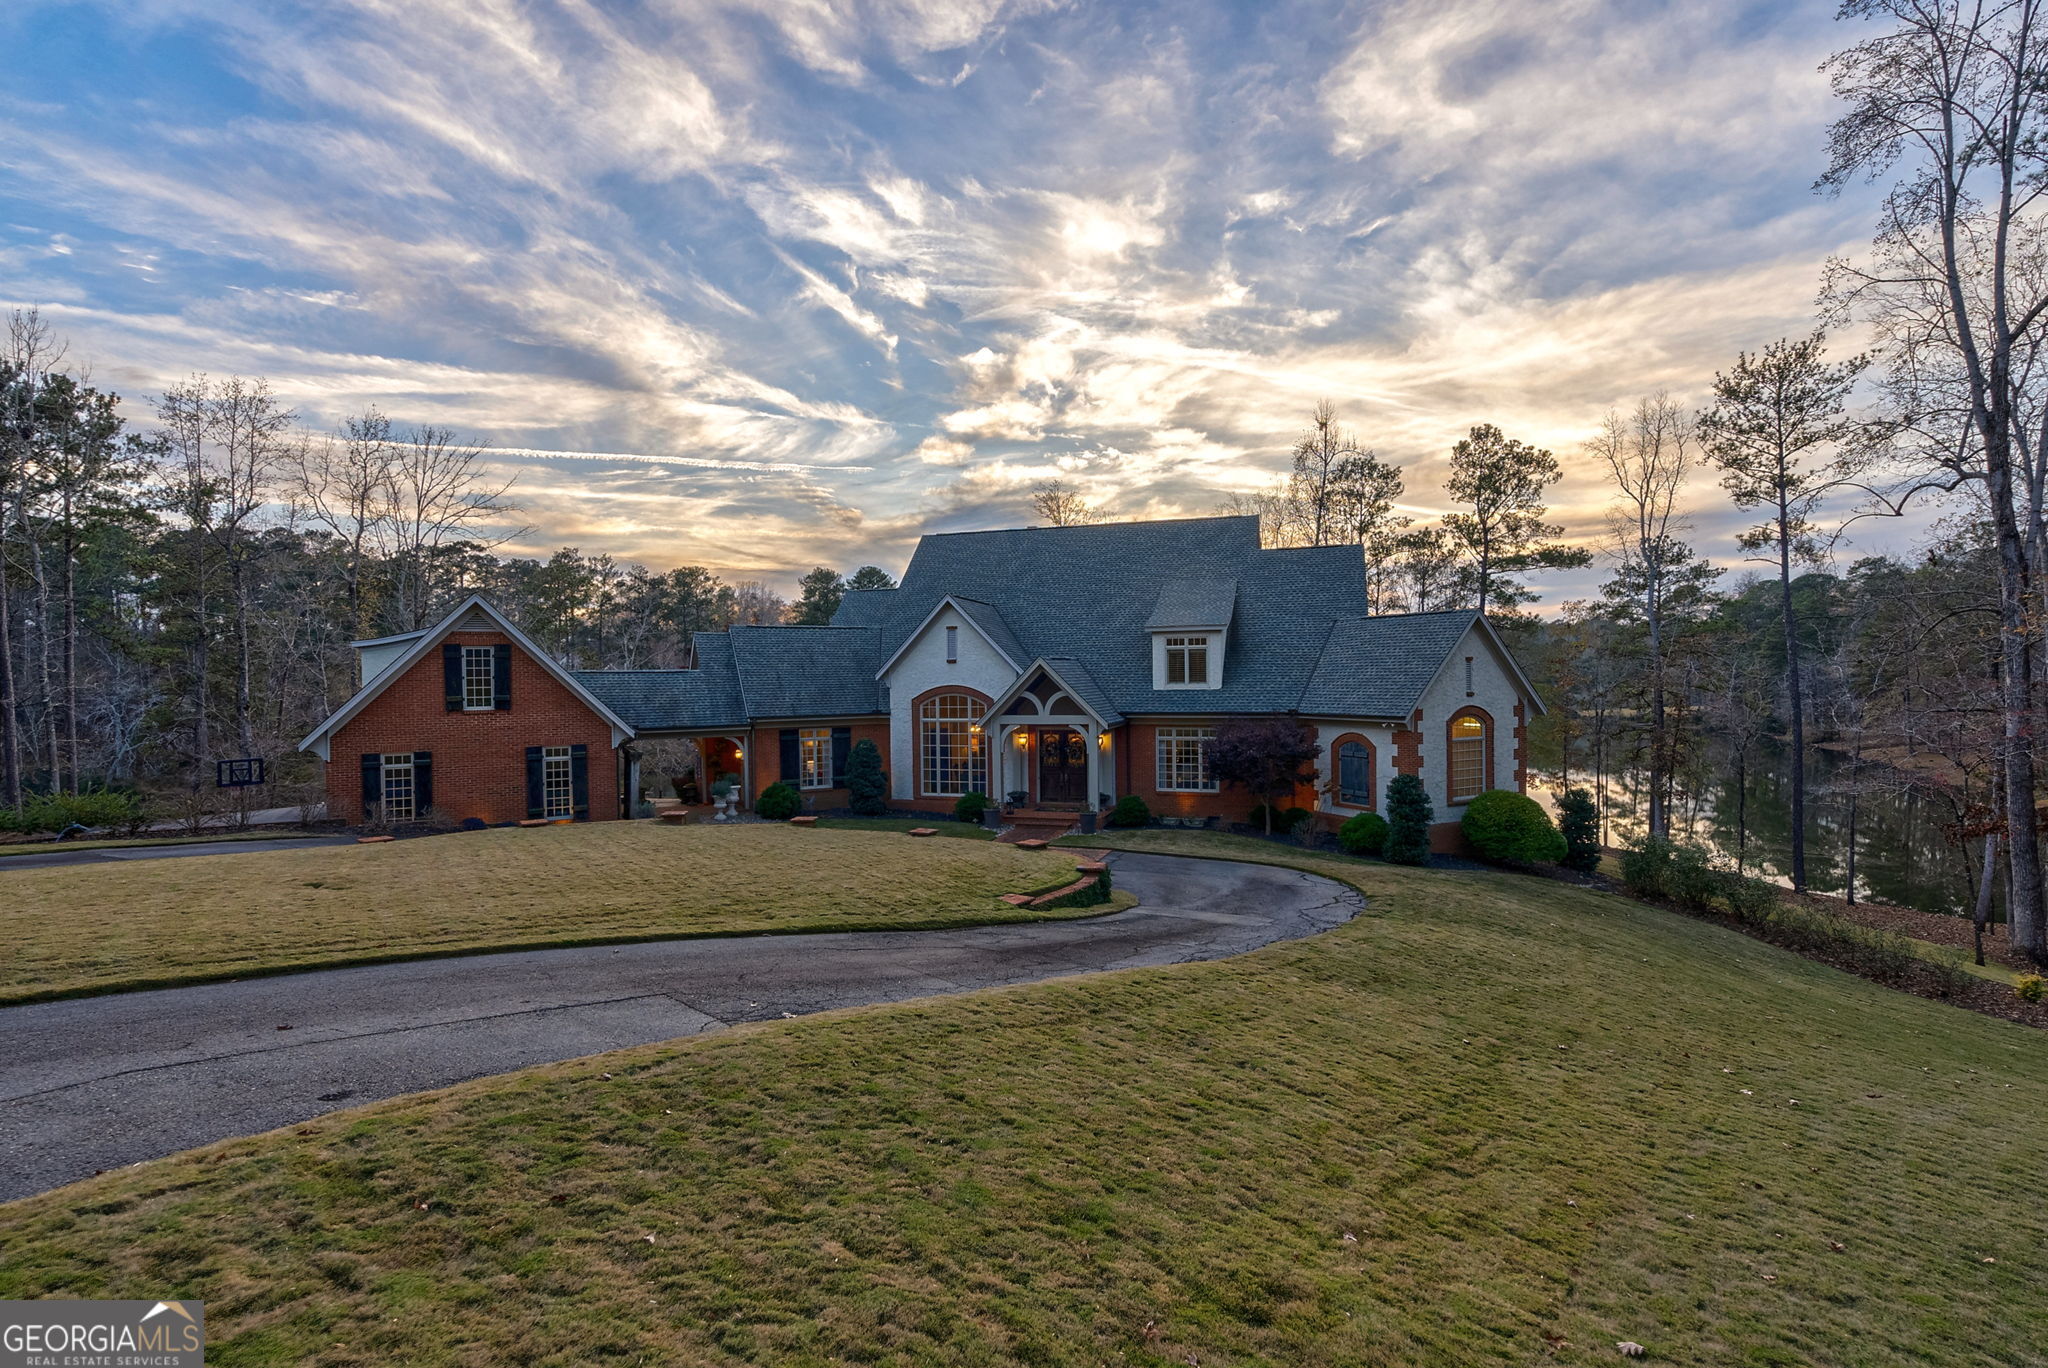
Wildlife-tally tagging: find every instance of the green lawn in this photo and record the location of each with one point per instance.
(146, 923)
(1495, 1120)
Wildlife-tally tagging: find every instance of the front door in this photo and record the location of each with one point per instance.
(1062, 766)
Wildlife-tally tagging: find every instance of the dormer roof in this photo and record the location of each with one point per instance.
(1195, 604)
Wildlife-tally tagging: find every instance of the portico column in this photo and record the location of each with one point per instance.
(1094, 744)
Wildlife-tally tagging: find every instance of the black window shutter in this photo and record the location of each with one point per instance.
(451, 676)
(842, 744)
(534, 807)
(792, 759)
(422, 782)
(579, 781)
(373, 782)
(501, 677)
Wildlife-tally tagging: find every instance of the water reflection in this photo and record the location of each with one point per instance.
(1903, 854)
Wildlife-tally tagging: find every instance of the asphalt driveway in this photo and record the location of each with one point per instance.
(57, 856)
(97, 1083)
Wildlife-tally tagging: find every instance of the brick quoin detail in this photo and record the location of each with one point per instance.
(1521, 749)
(1408, 747)
(479, 757)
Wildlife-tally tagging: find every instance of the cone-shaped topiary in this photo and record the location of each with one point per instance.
(1507, 826)
(867, 788)
(1578, 821)
(1409, 813)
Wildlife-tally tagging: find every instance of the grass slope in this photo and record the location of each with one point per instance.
(1493, 1121)
(147, 923)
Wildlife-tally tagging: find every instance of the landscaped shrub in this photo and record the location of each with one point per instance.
(1750, 900)
(1504, 825)
(778, 802)
(970, 807)
(1097, 892)
(58, 811)
(1285, 819)
(1657, 867)
(1578, 821)
(1646, 867)
(2030, 988)
(1365, 834)
(1409, 813)
(867, 788)
(1130, 811)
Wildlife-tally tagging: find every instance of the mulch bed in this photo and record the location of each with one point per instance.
(1927, 926)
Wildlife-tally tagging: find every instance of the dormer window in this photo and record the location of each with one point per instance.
(1187, 660)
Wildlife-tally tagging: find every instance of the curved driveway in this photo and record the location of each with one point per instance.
(96, 1083)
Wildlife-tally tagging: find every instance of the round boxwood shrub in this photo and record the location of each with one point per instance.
(1130, 811)
(1504, 825)
(778, 802)
(970, 807)
(1365, 834)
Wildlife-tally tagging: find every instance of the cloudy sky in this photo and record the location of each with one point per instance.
(767, 283)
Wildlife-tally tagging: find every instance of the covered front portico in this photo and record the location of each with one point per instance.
(1052, 742)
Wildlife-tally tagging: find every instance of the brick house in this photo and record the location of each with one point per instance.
(471, 719)
(1068, 666)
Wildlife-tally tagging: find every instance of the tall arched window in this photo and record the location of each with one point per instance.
(1354, 774)
(1471, 755)
(952, 752)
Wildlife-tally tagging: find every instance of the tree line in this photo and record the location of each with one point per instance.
(185, 591)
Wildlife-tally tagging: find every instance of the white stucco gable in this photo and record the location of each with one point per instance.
(949, 649)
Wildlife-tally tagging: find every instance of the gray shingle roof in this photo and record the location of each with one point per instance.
(807, 671)
(1082, 685)
(1087, 593)
(989, 619)
(1083, 599)
(675, 700)
(1194, 603)
(1379, 666)
(748, 673)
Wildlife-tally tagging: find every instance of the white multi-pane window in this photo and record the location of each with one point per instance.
(1468, 758)
(1184, 759)
(1187, 660)
(950, 744)
(557, 782)
(815, 747)
(479, 679)
(398, 789)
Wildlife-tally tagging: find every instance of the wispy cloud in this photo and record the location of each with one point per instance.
(766, 284)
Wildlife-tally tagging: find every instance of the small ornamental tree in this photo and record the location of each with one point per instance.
(1578, 821)
(1270, 756)
(867, 788)
(1409, 813)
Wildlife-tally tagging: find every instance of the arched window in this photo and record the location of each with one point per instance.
(1354, 774)
(1471, 756)
(952, 751)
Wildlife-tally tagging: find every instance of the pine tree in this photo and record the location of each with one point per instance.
(867, 787)
(1579, 822)
(1409, 814)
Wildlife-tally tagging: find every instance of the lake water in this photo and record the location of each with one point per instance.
(1902, 853)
